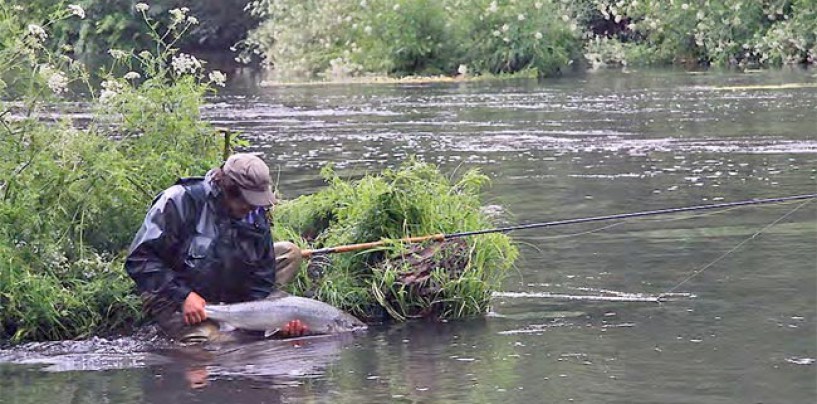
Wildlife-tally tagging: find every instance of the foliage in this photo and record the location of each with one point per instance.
(511, 36)
(340, 38)
(72, 193)
(117, 24)
(719, 32)
(414, 200)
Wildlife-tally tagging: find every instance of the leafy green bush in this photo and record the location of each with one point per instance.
(403, 37)
(720, 32)
(343, 38)
(71, 194)
(511, 36)
(351, 37)
(415, 200)
(117, 24)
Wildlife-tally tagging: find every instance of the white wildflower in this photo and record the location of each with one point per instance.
(192, 20)
(653, 24)
(701, 15)
(505, 27)
(110, 90)
(142, 7)
(178, 15)
(537, 35)
(58, 82)
(55, 79)
(145, 54)
(118, 54)
(685, 6)
(537, 5)
(493, 7)
(77, 10)
(396, 7)
(218, 78)
(131, 76)
(496, 33)
(520, 17)
(184, 63)
(37, 32)
(565, 18)
(618, 18)
(368, 30)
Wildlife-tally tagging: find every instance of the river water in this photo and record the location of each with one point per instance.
(576, 321)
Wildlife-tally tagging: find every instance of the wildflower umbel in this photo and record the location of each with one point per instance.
(218, 78)
(37, 32)
(178, 14)
(118, 53)
(184, 63)
(110, 89)
(77, 10)
(55, 79)
(141, 7)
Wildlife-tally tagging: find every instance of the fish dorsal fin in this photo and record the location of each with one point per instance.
(269, 333)
(277, 294)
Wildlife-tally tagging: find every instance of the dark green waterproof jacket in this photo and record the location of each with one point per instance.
(188, 242)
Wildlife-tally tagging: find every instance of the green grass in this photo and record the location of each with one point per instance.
(414, 200)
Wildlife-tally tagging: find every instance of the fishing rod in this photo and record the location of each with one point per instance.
(443, 237)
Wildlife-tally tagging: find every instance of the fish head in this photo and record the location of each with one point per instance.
(344, 323)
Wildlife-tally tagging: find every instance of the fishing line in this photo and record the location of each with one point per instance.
(733, 249)
(596, 230)
(621, 216)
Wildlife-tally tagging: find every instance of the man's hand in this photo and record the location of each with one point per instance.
(294, 328)
(193, 309)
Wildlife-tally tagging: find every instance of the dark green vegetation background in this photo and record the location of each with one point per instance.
(342, 38)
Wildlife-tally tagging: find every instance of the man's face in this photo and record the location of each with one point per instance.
(237, 207)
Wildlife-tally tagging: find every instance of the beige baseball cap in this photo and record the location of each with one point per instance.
(251, 175)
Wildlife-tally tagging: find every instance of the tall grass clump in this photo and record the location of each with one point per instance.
(73, 192)
(413, 200)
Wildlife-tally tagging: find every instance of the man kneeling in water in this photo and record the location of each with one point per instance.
(207, 240)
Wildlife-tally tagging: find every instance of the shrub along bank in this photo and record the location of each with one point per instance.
(72, 193)
(343, 38)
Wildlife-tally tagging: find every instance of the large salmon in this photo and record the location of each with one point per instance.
(271, 314)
